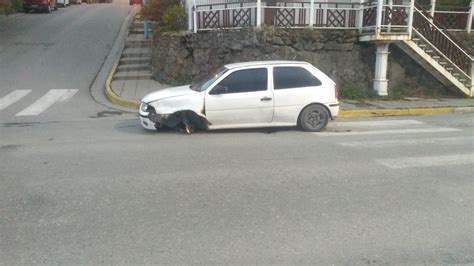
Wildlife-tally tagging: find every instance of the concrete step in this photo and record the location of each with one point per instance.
(138, 50)
(134, 67)
(136, 31)
(137, 44)
(132, 75)
(134, 61)
(445, 73)
(140, 55)
(137, 37)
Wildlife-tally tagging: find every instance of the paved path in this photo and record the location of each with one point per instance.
(48, 61)
(380, 190)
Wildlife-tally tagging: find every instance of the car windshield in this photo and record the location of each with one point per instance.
(206, 82)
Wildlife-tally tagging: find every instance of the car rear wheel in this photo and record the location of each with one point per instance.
(313, 118)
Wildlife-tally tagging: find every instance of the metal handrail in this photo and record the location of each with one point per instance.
(441, 53)
(430, 21)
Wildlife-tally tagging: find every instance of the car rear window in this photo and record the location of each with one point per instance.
(293, 77)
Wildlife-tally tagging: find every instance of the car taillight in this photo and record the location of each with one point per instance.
(336, 91)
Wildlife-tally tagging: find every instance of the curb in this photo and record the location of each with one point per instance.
(97, 89)
(114, 98)
(403, 111)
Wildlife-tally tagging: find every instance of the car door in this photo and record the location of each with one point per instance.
(240, 99)
(293, 88)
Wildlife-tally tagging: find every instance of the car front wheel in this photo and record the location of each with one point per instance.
(313, 118)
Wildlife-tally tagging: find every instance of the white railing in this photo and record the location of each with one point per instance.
(280, 14)
(379, 16)
(453, 18)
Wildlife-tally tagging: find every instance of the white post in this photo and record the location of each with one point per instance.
(190, 15)
(259, 13)
(433, 8)
(410, 18)
(311, 13)
(360, 16)
(472, 79)
(195, 25)
(390, 5)
(378, 25)
(381, 62)
(469, 18)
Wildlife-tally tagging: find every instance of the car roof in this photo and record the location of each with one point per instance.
(263, 63)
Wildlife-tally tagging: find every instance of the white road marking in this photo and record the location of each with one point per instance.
(46, 101)
(375, 123)
(399, 142)
(440, 160)
(381, 132)
(12, 97)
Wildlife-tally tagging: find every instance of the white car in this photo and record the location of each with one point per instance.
(246, 95)
(63, 3)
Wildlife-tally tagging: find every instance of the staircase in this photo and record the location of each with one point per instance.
(135, 63)
(438, 52)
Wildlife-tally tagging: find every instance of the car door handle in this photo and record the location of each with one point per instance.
(265, 99)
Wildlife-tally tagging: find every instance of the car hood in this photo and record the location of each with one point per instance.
(168, 93)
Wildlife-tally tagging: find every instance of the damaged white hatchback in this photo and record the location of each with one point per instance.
(246, 95)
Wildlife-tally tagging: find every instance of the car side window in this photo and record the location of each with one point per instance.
(293, 77)
(247, 80)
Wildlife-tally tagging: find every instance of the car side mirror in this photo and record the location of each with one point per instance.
(219, 89)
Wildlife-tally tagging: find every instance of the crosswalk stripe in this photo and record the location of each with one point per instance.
(441, 160)
(12, 97)
(380, 132)
(400, 142)
(376, 123)
(46, 101)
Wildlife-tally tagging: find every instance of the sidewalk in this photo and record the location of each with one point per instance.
(131, 80)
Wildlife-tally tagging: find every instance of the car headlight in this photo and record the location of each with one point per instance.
(143, 107)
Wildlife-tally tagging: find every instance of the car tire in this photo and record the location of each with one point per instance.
(313, 118)
(26, 11)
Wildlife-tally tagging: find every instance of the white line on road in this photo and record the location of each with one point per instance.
(440, 160)
(12, 97)
(376, 123)
(399, 142)
(381, 132)
(46, 101)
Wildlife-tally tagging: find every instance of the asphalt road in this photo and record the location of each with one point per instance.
(106, 191)
(82, 184)
(55, 56)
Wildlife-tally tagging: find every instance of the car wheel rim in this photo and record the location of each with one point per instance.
(314, 119)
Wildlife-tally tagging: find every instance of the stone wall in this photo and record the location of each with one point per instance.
(183, 58)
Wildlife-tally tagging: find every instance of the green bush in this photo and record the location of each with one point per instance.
(353, 93)
(10, 6)
(153, 11)
(17, 5)
(169, 15)
(174, 19)
(5, 7)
